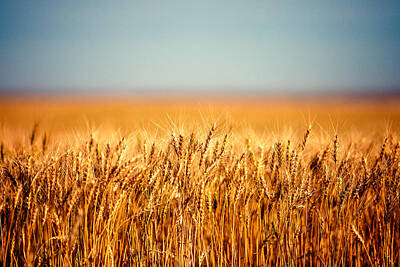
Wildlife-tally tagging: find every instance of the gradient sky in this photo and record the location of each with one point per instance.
(199, 45)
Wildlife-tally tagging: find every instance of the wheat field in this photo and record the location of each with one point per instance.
(199, 183)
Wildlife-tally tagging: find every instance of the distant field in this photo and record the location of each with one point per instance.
(199, 181)
(262, 117)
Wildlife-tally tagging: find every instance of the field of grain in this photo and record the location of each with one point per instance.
(188, 182)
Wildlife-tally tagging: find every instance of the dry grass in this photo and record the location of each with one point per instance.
(257, 187)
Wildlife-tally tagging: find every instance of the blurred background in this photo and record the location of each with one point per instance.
(191, 47)
(262, 68)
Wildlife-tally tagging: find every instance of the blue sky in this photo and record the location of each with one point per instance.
(264, 46)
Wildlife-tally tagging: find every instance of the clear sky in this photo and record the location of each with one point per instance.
(199, 45)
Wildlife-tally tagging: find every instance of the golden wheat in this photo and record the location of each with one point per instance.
(214, 197)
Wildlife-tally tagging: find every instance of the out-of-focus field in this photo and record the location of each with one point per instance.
(268, 119)
(199, 181)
